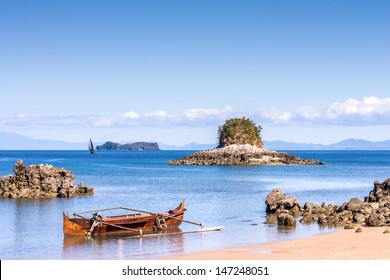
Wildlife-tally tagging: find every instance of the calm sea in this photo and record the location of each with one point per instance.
(232, 197)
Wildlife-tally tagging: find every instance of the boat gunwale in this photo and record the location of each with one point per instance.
(125, 219)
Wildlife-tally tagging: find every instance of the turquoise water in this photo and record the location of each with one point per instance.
(232, 197)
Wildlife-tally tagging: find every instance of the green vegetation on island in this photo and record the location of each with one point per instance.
(239, 131)
(240, 144)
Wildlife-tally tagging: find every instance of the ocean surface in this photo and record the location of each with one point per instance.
(232, 197)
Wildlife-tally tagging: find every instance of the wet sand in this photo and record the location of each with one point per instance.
(370, 244)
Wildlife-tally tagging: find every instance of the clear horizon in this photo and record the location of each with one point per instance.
(173, 71)
(129, 141)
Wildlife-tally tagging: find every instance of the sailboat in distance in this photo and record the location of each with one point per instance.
(91, 147)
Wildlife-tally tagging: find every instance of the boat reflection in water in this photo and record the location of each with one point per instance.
(120, 246)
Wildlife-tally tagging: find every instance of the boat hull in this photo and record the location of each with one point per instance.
(129, 224)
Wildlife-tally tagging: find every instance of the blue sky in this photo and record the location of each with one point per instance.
(173, 71)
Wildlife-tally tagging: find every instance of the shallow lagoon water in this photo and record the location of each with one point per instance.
(232, 197)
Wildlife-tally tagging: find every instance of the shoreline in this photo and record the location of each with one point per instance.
(370, 244)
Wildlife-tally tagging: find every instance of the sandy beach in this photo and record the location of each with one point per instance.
(370, 244)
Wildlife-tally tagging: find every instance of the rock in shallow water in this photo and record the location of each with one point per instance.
(285, 219)
(41, 181)
(278, 201)
(374, 211)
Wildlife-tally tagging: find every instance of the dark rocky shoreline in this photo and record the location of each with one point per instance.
(242, 155)
(373, 211)
(41, 181)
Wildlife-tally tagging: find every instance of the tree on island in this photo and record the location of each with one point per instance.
(239, 131)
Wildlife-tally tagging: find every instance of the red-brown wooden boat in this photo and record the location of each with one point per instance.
(138, 222)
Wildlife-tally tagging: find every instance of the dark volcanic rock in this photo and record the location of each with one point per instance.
(309, 218)
(349, 227)
(355, 204)
(277, 201)
(376, 220)
(380, 191)
(242, 155)
(285, 219)
(40, 181)
(273, 198)
(374, 211)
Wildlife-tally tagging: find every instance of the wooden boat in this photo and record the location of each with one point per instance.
(137, 222)
(91, 148)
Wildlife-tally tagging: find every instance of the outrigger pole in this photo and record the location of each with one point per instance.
(115, 208)
(186, 221)
(217, 228)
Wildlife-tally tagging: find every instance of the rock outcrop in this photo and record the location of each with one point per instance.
(41, 181)
(373, 211)
(277, 200)
(242, 155)
(285, 219)
(380, 193)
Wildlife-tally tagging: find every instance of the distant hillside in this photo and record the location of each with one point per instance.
(349, 144)
(133, 146)
(359, 144)
(282, 145)
(277, 145)
(14, 141)
(190, 146)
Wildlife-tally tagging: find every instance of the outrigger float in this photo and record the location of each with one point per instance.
(137, 223)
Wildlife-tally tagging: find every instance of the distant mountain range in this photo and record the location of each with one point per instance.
(14, 141)
(189, 146)
(349, 144)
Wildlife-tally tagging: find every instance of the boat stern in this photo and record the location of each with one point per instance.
(75, 226)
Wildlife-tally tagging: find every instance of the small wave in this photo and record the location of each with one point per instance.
(7, 159)
(55, 160)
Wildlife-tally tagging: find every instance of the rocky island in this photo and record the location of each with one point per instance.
(41, 181)
(240, 144)
(133, 146)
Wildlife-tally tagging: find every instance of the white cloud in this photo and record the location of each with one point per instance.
(124, 119)
(102, 122)
(308, 113)
(191, 117)
(276, 116)
(129, 115)
(21, 120)
(351, 112)
(158, 115)
(206, 113)
(367, 107)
